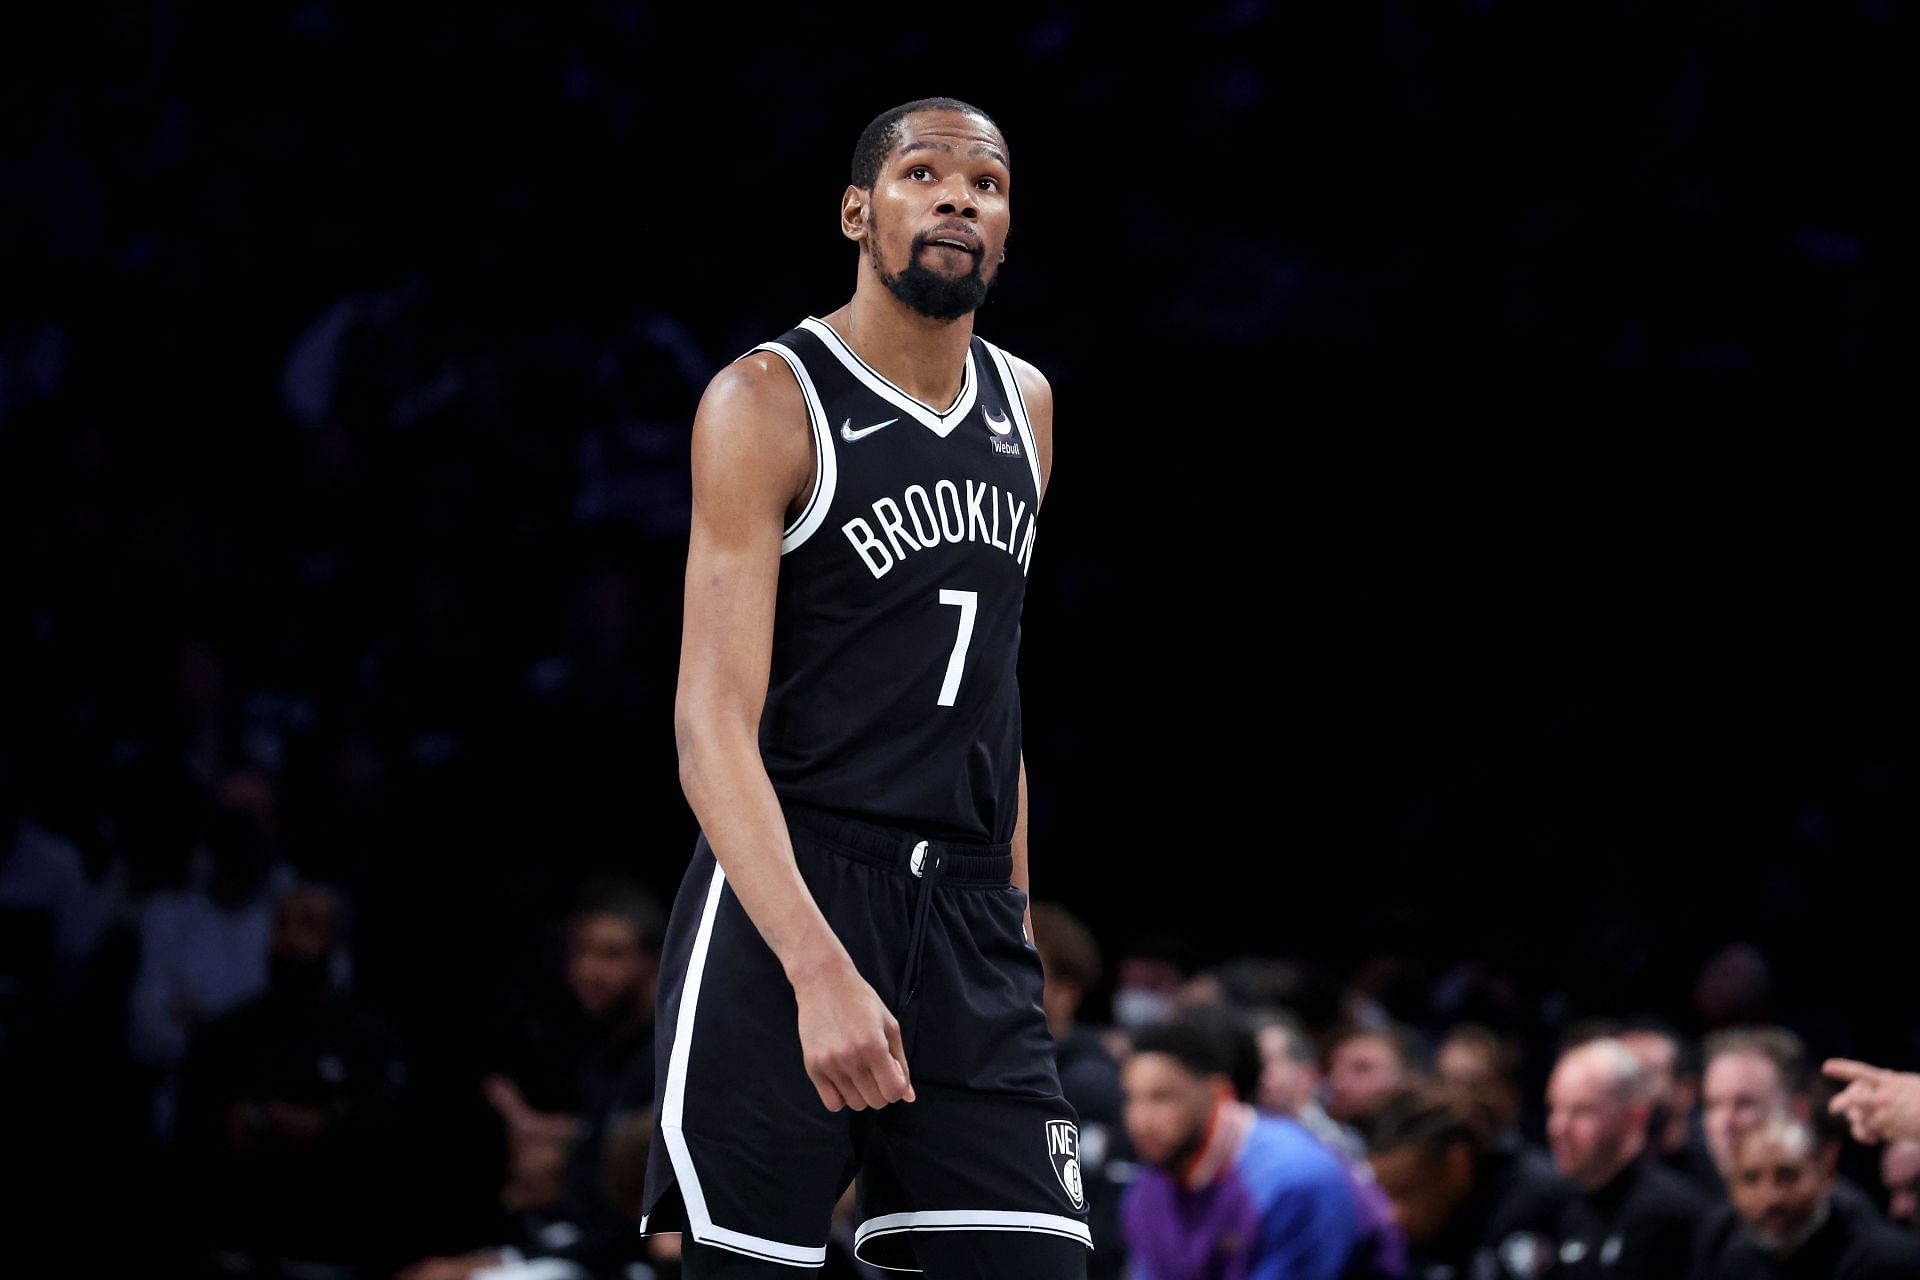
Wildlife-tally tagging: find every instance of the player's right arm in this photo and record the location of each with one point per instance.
(752, 461)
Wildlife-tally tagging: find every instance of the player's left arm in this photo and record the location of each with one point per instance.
(1037, 395)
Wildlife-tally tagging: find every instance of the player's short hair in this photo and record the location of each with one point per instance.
(1686, 1053)
(1296, 1043)
(1424, 1118)
(619, 895)
(1236, 1030)
(1780, 1046)
(882, 135)
(1066, 945)
(1208, 1040)
(1402, 1039)
(1501, 1050)
(1627, 1078)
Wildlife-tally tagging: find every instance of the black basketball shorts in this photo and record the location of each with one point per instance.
(746, 1157)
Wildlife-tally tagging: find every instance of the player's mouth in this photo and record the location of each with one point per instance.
(952, 241)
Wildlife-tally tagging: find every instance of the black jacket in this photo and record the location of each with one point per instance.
(1640, 1226)
(1853, 1244)
(1504, 1231)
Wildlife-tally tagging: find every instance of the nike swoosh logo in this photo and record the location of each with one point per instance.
(999, 425)
(848, 433)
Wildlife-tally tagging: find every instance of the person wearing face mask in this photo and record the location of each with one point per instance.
(1146, 983)
(290, 1108)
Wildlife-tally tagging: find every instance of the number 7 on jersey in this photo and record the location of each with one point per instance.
(968, 603)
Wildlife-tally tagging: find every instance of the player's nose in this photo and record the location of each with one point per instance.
(956, 198)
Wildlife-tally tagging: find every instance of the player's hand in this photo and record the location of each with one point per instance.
(1878, 1104)
(850, 1043)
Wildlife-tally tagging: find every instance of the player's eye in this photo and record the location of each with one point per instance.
(989, 184)
(919, 171)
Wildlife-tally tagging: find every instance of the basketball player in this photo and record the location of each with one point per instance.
(849, 990)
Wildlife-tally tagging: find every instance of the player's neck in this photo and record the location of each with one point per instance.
(925, 358)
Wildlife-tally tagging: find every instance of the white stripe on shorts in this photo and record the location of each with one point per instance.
(673, 1108)
(1051, 1224)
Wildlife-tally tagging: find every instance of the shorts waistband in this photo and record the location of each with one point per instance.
(963, 862)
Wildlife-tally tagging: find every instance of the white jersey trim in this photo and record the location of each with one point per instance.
(1018, 403)
(1052, 1224)
(673, 1109)
(940, 423)
(826, 469)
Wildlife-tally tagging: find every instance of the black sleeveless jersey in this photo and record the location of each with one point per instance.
(893, 695)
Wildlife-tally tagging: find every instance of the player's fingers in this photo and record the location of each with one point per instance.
(830, 1096)
(1848, 1069)
(887, 1075)
(897, 1055)
(884, 1080)
(861, 1085)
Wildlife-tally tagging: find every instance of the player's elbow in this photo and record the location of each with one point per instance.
(707, 733)
(688, 741)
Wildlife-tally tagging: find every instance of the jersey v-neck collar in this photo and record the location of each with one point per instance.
(941, 424)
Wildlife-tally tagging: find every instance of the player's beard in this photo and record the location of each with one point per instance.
(929, 293)
(1183, 1153)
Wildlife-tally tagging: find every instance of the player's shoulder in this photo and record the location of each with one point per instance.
(1284, 1154)
(757, 380)
(1033, 384)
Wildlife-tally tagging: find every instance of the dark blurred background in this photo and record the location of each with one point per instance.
(1476, 567)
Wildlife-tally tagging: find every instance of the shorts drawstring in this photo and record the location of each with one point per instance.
(927, 865)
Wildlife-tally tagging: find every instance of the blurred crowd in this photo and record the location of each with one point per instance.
(205, 1054)
(347, 355)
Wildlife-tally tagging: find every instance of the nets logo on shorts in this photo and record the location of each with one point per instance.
(1063, 1147)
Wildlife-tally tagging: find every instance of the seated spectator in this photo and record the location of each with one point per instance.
(1286, 1085)
(1291, 1082)
(1785, 1221)
(1632, 1216)
(1482, 1068)
(1467, 1210)
(1750, 1073)
(44, 873)
(290, 1107)
(1224, 1191)
(1366, 1065)
(611, 971)
(1676, 1136)
(203, 950)
(614, 933)
(1089, 1075)
(1148, 977)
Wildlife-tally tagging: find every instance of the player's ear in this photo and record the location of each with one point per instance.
(853, 213)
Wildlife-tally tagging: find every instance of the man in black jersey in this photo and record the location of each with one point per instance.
(848, 989)
(1632, 1216)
